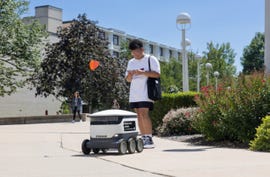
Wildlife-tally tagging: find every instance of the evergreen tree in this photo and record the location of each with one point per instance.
(253, 55)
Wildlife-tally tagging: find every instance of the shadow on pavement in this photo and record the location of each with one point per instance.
(186, 150)
(100, 154)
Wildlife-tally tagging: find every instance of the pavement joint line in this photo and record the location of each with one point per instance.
(68, 149)
(134, 168)
(63, 147)
(61, 141)
(124, 165)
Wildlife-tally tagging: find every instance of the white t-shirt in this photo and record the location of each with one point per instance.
(138, 85)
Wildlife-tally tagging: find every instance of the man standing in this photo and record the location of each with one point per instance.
(137, 74)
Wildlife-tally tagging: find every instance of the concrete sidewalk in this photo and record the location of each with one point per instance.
(54, 150)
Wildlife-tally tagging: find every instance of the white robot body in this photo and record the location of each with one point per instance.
(113, 129)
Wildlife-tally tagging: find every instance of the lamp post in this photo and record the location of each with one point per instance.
(198, 58)
(216, 74)
(208, 68)
(188, 43)
(185, 69)
(183, 19)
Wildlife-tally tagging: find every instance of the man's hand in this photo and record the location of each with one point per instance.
(139, 72)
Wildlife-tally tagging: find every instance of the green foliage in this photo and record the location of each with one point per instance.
(171, 101)
(234, 113)
(178, 122)
(262, 139)
(20, 46)
(125, 52)
(222, 59)
(253, 55)
(65, 108)
(220, 56)
(66, 67)
(192, 70)
(171, 74)
(173, 89)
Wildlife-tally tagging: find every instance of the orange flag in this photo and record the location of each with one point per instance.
(93, 64)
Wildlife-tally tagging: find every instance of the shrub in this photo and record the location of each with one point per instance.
(65, 108)
(173, 89)
(178, 122)
(233, 114)
(262, 140)
(171, 101)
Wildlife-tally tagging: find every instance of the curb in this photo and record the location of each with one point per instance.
(38, 119)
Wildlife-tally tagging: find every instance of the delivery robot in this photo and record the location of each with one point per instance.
(113, 129)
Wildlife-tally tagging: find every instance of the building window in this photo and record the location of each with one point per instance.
(170, 53)
(161, 51)
(115, 54)
(128, 40)
(179, 56)
(102, 35)
(115, 40)
(151, 47)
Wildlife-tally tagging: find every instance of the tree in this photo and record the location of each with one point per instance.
(253, 55)
(65, 68)
(222, 59)
(192, 69)
(20, 46)
(125, 52)
(171, 75)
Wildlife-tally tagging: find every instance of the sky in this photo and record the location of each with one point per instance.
(219, 21)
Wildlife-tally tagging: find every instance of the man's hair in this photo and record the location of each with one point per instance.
(135, 44)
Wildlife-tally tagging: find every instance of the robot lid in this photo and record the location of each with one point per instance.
(113, 112)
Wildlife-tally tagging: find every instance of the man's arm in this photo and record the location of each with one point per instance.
(153, 74)
(130, 75)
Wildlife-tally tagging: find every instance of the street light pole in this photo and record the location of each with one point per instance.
(198, 57)
(216, 74)
(198, 76)
(208, 67)
(184, 69)
(183, 19)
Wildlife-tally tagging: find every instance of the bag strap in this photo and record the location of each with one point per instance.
(149, 66)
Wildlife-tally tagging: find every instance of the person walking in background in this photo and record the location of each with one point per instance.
(137, 74)
(115, 104)
(76, 105)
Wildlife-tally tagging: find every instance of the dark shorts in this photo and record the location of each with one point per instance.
(142, 104)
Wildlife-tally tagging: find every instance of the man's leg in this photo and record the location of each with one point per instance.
(145, 123)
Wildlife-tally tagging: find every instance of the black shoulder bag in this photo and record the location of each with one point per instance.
(153, 86)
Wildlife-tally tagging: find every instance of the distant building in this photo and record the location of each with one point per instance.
(24, 102)
(162, 52)
(52, 18)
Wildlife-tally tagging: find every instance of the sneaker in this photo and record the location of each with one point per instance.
(148, 142)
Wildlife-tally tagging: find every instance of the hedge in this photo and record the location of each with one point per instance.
(171, 101)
